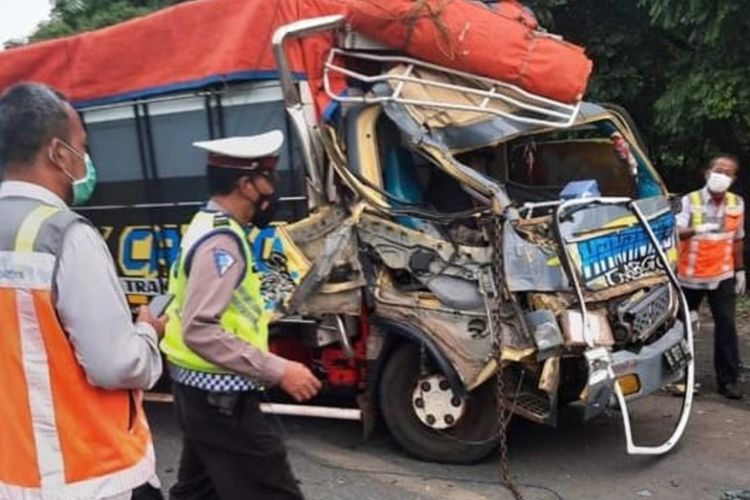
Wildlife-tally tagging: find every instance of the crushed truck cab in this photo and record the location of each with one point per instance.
(485, 233)
(449, 248)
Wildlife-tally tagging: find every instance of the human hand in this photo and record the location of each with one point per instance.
(708, 227)
(299, 382)
(159, 324)
(740, 283)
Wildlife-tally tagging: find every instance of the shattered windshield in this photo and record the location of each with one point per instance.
(533, 161)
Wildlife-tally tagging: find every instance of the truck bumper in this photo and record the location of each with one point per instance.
(656, 365)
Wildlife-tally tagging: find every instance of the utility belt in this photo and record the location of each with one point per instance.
(227, 403)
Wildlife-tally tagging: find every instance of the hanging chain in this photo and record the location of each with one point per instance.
(495, 323)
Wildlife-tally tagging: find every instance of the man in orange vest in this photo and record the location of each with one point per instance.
(711, 229)
(72, 364)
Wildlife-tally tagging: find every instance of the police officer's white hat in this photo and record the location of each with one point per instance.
(253, 147)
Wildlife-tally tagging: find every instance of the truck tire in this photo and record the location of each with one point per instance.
(471, 438)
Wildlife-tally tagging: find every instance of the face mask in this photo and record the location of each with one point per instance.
(264, 210)
(718, 182)
(82, 188)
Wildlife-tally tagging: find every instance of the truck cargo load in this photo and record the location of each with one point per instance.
(191, 45)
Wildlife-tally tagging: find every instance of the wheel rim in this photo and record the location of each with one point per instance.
(435, 404)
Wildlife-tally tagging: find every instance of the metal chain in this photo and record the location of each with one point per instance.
(495, 324)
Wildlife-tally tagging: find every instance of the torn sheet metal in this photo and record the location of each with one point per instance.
(463, 336)
(335, 248)
(549, 381)
(530, 267)
(449, 271)
(598, 391)
(546, 332)
(460, 130)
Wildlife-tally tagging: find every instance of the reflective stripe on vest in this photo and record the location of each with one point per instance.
(61, 438)
(710, 257)
(244, 317)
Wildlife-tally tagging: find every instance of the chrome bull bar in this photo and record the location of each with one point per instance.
(687, 402)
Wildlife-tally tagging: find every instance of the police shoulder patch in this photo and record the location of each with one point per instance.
(221, 220)
(223, 261)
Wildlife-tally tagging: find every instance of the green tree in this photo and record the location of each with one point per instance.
(705, 106)
(681, 67)
(74, 16)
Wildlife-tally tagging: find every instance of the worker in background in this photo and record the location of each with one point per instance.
(72, 364)
(217, 339)
(711, 230)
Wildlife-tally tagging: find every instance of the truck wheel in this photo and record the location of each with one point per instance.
(428, 420)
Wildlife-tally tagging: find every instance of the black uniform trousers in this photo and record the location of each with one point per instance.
(726, 350)
(146, 492)
(229, 451)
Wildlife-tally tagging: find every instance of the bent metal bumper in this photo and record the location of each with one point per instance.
(649, 365)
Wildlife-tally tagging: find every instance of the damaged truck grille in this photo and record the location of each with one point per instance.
(643, 317)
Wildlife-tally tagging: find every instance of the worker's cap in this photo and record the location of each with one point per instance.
(254, 152)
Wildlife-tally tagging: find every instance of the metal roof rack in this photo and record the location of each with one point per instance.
(491, 97)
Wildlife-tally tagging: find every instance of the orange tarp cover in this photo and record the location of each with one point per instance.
(203, 42)
(187, 46)
(501, 42)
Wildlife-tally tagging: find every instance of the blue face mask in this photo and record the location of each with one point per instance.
(84, 187)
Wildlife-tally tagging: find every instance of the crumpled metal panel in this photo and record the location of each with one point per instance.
(609, 248)
(530, 267)
(456, 133)
(463, 336)
(450, 272)
(347, 302)
(328, 240)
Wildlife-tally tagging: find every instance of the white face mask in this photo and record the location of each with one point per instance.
(718, 182)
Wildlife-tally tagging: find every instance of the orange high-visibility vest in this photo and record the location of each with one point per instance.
(61, 438)
(709, 257)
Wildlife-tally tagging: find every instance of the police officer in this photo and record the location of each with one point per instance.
(217, 338)
(711, 229)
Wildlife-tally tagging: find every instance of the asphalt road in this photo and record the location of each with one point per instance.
(578, 460)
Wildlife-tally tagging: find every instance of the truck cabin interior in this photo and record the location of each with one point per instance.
(531, 169)
(391, 139)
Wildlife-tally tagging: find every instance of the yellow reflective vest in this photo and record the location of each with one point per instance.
(244, 317)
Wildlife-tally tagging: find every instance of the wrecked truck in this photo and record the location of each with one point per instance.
(481, 250)
(455, 248)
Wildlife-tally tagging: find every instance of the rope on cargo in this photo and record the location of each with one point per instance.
(423, 9)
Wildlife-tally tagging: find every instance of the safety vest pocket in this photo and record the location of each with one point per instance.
(732, 220)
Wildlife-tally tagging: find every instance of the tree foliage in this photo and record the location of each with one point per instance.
(74, 16)
(682, 67)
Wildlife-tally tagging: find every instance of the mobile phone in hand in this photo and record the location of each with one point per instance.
(158, 305)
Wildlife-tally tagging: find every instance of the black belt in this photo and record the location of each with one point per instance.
(226, 403)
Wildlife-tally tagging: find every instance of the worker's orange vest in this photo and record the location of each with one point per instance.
(710, 257)
(61, 438)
